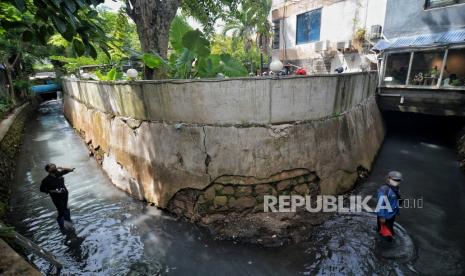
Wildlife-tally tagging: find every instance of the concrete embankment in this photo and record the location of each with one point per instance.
(207, 149)
(11, 130)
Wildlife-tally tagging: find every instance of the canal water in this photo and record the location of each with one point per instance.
(117, 235)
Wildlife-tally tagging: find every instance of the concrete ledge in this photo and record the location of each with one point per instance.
(242, 101)
(12, 264)
(442, 102)
(9, 120)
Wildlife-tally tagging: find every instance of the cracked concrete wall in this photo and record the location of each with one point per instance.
(232, 101)
(161, 137)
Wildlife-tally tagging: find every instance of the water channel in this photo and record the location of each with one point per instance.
(118, 235)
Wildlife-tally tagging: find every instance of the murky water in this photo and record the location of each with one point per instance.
(117, 235)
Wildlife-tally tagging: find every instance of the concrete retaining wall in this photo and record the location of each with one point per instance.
(219, 102)
(156, 138)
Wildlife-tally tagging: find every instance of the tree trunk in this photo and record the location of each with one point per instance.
(11, 89)
(263, 41)
(9, 67)
(153, 20)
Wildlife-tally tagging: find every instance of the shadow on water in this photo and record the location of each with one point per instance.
(117, 235)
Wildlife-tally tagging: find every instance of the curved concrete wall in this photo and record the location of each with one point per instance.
(159, 137)
(235, 101)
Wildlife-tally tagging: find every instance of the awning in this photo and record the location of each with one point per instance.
(422, 40)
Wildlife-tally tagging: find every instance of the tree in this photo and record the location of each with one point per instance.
(18, 45)
(121, 34)
(75, 20)
(191, 56)
(153, 19)
(122, 43)
(207, 12)
(222, 44)
(250, 24)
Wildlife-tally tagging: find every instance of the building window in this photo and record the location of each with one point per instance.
(454, 71)
(441, 3)
(308, 26)
(397, 69)
(276, 32)
(426, 68)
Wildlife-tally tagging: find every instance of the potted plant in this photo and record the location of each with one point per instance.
(359, 38)
(434, 73)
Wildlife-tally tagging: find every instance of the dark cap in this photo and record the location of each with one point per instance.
(395, 175)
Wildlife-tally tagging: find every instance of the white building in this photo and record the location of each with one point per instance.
(322, 35)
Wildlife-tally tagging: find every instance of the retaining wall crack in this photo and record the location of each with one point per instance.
(207, 156)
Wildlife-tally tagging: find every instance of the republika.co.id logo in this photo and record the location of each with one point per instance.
(331, 204)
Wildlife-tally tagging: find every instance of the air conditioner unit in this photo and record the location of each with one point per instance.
(344, 45)
(322, 46)
(376, 31)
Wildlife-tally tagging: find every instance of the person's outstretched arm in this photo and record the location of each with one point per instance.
(64, 171)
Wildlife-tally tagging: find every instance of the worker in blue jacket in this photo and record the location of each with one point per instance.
(388, 193)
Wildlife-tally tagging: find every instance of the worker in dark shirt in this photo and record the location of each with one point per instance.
(54, 185)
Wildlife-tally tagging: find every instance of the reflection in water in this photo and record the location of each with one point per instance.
(117, 235)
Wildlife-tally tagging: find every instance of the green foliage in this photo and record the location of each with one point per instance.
(196, 42)
(70, 18)
(111, 75)
(227, 45)
(251, 18)
(8, 14)
(79, 47)
(360, 34)
(153, 61)
(5, 106)
(192, 56)
(42, 67)
(22, 85)
(179, 27)
(220, 64)
(208, 67)
(207, 12)
(456, 83)
(122, 36)
(232, 67)
(122, 43)
(72, 64)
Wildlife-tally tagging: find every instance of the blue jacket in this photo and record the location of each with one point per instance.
(392, 194)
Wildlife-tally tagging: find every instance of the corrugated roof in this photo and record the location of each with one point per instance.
(444, 38)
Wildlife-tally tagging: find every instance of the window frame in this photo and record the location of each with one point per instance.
(439, 85)
(275, 44)
(428, 5)
(297, 42)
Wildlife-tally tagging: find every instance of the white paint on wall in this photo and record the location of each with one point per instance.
(339, 21)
